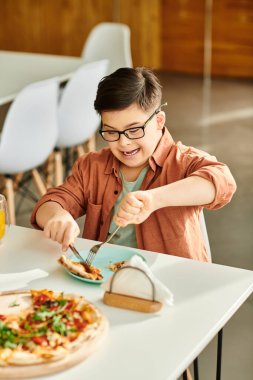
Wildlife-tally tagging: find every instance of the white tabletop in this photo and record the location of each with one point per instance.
(140, 346)
(20, 69)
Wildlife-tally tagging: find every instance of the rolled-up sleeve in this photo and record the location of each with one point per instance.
(205, 166)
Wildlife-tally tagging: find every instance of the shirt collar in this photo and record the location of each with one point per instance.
(112, 165)
(161, 152)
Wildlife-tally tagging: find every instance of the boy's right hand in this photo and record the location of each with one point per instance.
(61, 227)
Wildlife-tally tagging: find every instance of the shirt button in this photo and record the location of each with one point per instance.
(116, 192)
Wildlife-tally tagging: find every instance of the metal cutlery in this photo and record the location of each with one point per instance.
(79, 257)
(95, 248)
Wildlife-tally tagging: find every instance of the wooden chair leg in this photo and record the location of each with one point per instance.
(49, 171)
(189, 376)
(58, 168)
(17, 180)
(40, 186)
(80, 150)
(90, 145)
(10, 199)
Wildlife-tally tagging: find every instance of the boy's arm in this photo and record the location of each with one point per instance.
(71, 195)
(47, 211)
(59, 207)
(191, 191)
(205, 182)
(57, 224)
(137, 206)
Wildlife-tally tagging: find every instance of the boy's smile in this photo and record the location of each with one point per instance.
(133, 153)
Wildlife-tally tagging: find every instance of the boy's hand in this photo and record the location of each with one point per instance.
(62, 228)
(134, 208)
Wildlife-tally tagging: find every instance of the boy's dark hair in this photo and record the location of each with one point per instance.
(127, 86)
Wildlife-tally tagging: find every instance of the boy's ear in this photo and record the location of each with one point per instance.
(160, 118)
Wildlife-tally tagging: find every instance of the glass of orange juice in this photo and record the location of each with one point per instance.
(4, 217)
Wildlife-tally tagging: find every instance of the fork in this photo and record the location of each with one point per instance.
(95, 248)
(79, 257)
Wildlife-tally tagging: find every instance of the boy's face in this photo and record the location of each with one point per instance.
(133, 153)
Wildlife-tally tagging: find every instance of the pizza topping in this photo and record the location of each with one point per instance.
(40, 340)
(54, 322)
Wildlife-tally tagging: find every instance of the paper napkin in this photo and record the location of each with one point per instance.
(132, 282)
(13, 281)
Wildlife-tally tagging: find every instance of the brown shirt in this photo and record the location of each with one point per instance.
(94, 186)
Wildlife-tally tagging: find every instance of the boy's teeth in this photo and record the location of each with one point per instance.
(131, 153)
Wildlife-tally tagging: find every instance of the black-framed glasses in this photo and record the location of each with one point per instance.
(133, 133)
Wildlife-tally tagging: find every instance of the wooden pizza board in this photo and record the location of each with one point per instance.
(81, 353)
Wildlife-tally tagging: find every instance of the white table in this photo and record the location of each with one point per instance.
(20, 69)
(140, 346)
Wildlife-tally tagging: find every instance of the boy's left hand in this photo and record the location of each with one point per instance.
(134, 208)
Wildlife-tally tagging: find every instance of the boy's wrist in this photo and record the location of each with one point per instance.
(156, 199)
(161, 197)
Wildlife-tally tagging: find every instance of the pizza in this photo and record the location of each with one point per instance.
(50, 329)
(117, 265)
(80, 269)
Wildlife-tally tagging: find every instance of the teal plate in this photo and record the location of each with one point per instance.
(106, 256)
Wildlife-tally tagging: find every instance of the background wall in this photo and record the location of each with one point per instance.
(166, 34)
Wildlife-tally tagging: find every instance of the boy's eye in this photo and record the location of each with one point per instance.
(133, 130)
(111, 133)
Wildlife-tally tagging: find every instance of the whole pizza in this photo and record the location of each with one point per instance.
(55, 325)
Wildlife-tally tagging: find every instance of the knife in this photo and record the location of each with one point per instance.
(80, 259)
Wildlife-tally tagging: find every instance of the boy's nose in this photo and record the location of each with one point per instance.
(124, 140)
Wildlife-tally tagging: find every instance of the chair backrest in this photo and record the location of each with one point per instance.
(204, 233)
(78, 120)
(30, 129)
(109, 40)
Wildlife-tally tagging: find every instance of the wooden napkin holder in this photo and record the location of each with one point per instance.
(124, 301)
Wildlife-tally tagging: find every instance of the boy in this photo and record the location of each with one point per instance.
(144, 182)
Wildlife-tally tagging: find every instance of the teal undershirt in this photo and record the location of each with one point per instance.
(126, 236)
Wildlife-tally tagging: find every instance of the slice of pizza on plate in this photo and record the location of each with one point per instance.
(80, 270)
(116, 265)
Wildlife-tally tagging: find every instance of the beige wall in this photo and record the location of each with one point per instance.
(166, 34)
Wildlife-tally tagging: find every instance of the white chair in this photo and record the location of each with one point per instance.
(187, 374)
(78, 120)
(28, 136)
(109, 40)
(204, 234)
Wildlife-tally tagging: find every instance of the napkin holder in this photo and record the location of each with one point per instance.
(124, 301)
